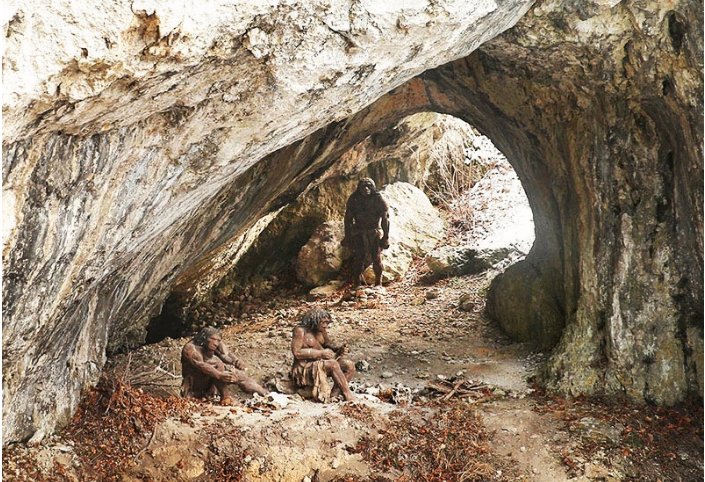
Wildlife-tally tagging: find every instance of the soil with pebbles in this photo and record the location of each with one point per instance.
(408, 335)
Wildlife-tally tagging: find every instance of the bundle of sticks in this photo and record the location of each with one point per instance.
(458, 387)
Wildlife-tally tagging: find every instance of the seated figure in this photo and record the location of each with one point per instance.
(316, 358)
(208, 368)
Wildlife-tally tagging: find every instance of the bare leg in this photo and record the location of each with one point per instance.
(358, 269)
(333, 370)
(347, 367)
(248, 385)
(377, 266)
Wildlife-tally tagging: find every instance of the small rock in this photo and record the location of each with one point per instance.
(522, 449)
(596, 471)
(277, 400)
(362, 366)
(402, 395)
(597, 430)
(432, 294)
(387, 375)
(466, 302)
(372, 391)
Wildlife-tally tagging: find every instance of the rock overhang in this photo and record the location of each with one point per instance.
(123, 121)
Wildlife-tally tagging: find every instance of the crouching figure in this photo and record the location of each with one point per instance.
(316, 358)
(209, 369)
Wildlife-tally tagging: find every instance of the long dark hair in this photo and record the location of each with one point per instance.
(313, 317)
(369, 182)
(202, 336)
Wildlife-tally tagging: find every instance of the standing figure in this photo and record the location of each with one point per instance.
(366, 230)
(208, 368)
(316, 358)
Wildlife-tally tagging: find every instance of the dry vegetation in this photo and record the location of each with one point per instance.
(435, 442)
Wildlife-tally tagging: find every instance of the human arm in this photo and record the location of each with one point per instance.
(384, 242)
(338, 349)
(192, 356)
(301, 352)
(228, 358)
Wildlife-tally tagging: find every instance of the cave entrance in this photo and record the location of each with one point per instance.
(443, 168)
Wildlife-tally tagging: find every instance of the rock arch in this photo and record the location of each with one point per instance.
(603, 126)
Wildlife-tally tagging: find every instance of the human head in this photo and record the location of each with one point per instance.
(313, 318)
(202, 337)
(366, 186)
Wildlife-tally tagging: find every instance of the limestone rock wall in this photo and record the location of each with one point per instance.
(408, 151)
(601, 115)
(142, 139)
(134, 134)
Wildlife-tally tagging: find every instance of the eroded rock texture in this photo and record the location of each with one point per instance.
(141, 138)
(599, 108)
(410, 150)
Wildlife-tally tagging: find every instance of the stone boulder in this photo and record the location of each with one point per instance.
(326, 290)
(522, 285)
(499, 218)
(321, 257)
(459, 260)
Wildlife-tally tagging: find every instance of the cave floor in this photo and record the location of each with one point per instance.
(413, 336)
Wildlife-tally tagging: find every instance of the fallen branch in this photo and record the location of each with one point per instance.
(460, 388)
(137, 455)
(455, 388)
(160, 369)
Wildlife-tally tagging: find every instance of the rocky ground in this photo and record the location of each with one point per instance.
(443, 396)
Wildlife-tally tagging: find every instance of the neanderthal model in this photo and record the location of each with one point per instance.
(316, 358)
(208, 368)
(366, 230)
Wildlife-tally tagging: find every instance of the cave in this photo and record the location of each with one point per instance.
(139, 152)
(439, 154)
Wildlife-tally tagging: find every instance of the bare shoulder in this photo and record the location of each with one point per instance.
(298, 331)
(381, 202)
(191, 351)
